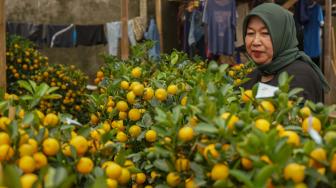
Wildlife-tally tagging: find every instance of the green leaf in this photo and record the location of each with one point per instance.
(52, 89)
(33, 84)
(26, 86)
(206, 128)
(295, 91)
(84, 131)
(27, 98)
(68, 183)
(42, 90)
(28, 118)
(162, 165)
(176, 114)
(242, 177)
(52, 96)
(99, 182)
(11, 177)
(263, 175)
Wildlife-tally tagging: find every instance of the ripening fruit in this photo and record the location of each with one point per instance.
(231, 122)
(312, 122)
(150, 136)
(266, 106)
(27, 164)
(318, 154)
(148, 94)
(134, 131)
(6, 152)
(124, 85)
(173, 179)
(50, 146)
(84, 165)
(50, 119)
(247, 96)
(122, 106)
(263, 125)
(80, 144)
(219, 172)
(186, 134)
(134, 114)
(113, 170)
(28, 180)
(295, 172)
(293, 137)
(305, 112)
(140, 178)
(161, 94)
(172, 89)
(136, 72)
(124, 177)
(40, 160)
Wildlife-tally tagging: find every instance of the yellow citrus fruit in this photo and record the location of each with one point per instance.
(318, 154)
(161, 94)
(263, 125)
(150, 136)
(280, 129)
(246, 163)
(333, 163)
(4, 122)
(124, 85)
(134, 114)
(266, 159)
(247, 96)
(27, 164)
(50, 146)
(312, 122)
(94, 119)
(219, 172)
(190, 183)
(266, 106)
(134, 131)
(66, 149)
(111, 183)
(28, 180)
(121, 136)
(40, 160)
(184, 101)
(295, 172)
(300, 185)
(148, 94)
(172, 89)
(305, 112)
(173, 179)
(210, 149)
(138, 89)
(136, 72)
(131, 97)
(140, 178)
(6, 152)
(182, 164)
(231, 122)
(100, 74)
(80, 144)
(293, 137)
(96, 134)
(186, 134)
(21, 113)
(4, 138)
(34, 144)
(122, 115)
(124, 177)
(122, 106)
(26, 149)
(50, 119)
(84, 165)
(113, 170)
(106, 126)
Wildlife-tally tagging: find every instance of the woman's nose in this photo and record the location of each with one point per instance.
(256, 40)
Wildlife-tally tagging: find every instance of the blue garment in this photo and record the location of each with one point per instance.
(220, 16)
(312, 42)
(153, 34)
(114, 34)
(196, 28)
(301, 12)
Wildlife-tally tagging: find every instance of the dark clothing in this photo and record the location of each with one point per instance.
(64, 39)
(33, 32)
(89, 35)
(304, 77)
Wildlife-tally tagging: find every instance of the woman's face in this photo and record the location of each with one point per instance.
(258, 41)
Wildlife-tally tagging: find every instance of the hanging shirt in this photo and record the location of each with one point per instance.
(312, 32)
(33, 32)
(88, 35)
(242, 10)
(60, 36)
(220, 17)
(153, 34)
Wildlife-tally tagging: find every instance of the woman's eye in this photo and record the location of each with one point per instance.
(265, 33)
(250, 33)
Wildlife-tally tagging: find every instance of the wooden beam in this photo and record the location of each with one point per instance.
(329, 97)
(124, 30)
(158, 13)
(2, 46)
(289, 4)
(143, 10)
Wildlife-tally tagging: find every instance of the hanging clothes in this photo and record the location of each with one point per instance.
(114, 34)
(89, 35)
(242, 11)
(139, 27)
(33, 32)
(220, 17)
(312, 31)
(196, 34)
(153, 34)
(61, 36)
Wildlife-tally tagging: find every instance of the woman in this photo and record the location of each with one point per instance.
(270, 40)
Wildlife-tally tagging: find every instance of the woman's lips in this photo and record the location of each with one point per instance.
(256, 54)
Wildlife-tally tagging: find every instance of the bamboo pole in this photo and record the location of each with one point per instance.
(143, 10)
(124, 30)
(328, 70)
(2, 46)
(158, 13)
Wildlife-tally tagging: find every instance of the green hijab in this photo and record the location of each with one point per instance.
(281, 26)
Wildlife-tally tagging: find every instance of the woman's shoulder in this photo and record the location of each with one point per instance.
(299, 66)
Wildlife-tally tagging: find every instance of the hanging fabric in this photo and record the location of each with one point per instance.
(220, 17)
(89, 35)
(153, 34)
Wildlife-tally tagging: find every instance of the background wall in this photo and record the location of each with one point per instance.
(83, 12)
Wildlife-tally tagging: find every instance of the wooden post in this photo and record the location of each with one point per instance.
(143, 10)
(328, 70)
(158, 13)
(124, 30)
(2, 46)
